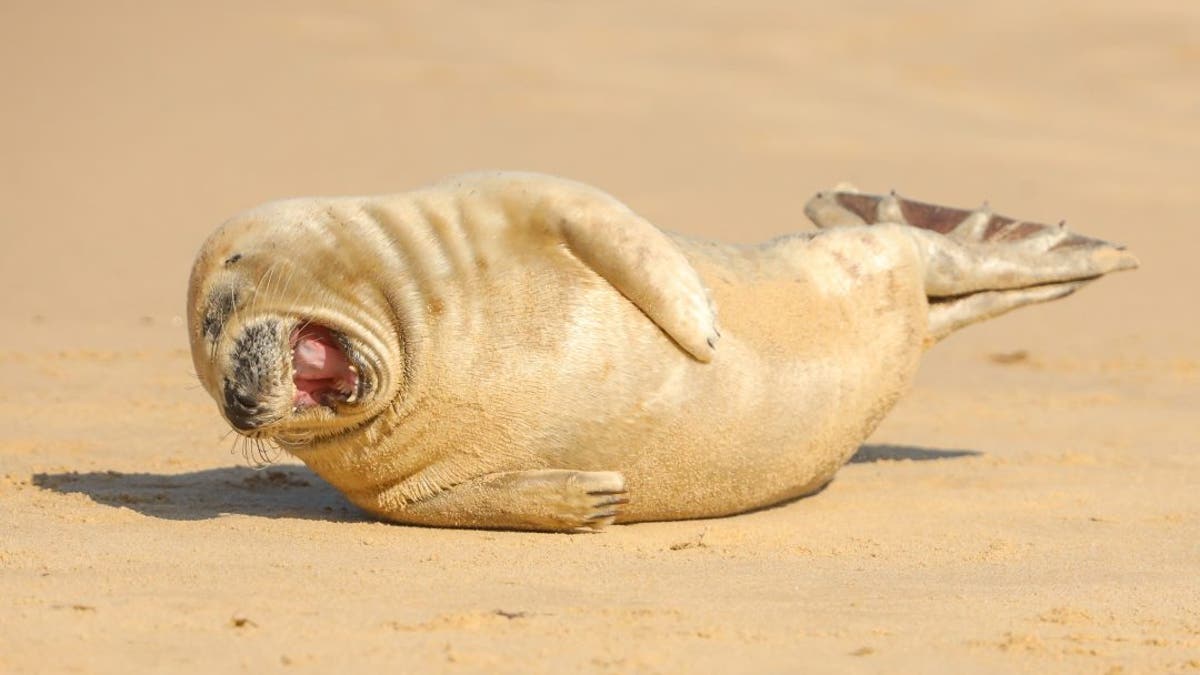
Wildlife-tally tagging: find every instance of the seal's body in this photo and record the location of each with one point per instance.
(520, 351)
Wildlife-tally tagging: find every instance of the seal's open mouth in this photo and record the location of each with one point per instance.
(322, 372)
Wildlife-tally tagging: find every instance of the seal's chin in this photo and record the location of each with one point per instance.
(322, 372)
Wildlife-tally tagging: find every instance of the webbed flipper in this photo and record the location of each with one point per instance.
(978, 264)
(847, 207)
(637, 258)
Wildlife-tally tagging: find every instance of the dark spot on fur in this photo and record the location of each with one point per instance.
(233, 258)
(870, 242)
(848, 266)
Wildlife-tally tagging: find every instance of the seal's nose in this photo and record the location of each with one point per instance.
(241, 408)
(252, 373)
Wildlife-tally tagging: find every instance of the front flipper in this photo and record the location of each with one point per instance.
(546, 500)
(637, 258)
(624, 249)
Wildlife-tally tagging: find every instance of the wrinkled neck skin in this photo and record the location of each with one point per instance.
(400, 281)
(439, 361)
(364, 232)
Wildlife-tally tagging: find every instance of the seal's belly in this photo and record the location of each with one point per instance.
(822, 335)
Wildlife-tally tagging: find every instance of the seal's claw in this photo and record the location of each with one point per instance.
(610, 499)
(598, 520)
(598, 503)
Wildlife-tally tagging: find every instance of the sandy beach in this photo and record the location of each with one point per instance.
(1032, 505)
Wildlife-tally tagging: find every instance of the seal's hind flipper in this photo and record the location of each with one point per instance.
(978, 264)
(843, 207)
(947, 315)
(848, 207)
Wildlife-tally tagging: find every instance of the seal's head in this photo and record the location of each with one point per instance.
(290, 327)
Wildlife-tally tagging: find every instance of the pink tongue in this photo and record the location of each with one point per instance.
(320, 367)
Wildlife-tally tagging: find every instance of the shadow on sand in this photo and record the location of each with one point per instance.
(282, 491)
(288, 491)
(891, 453)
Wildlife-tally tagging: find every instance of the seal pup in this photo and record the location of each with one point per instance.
(507, 350)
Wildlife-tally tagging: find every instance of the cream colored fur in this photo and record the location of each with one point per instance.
(540, 357)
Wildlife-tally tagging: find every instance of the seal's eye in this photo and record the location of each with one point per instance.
(233, 258)
(221, 304)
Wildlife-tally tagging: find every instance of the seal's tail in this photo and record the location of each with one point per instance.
(986, 235)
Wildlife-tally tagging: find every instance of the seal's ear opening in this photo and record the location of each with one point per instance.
(322, 372)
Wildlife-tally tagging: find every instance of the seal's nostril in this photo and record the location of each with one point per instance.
(241, 408)
(245, 401)
(235, 396)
